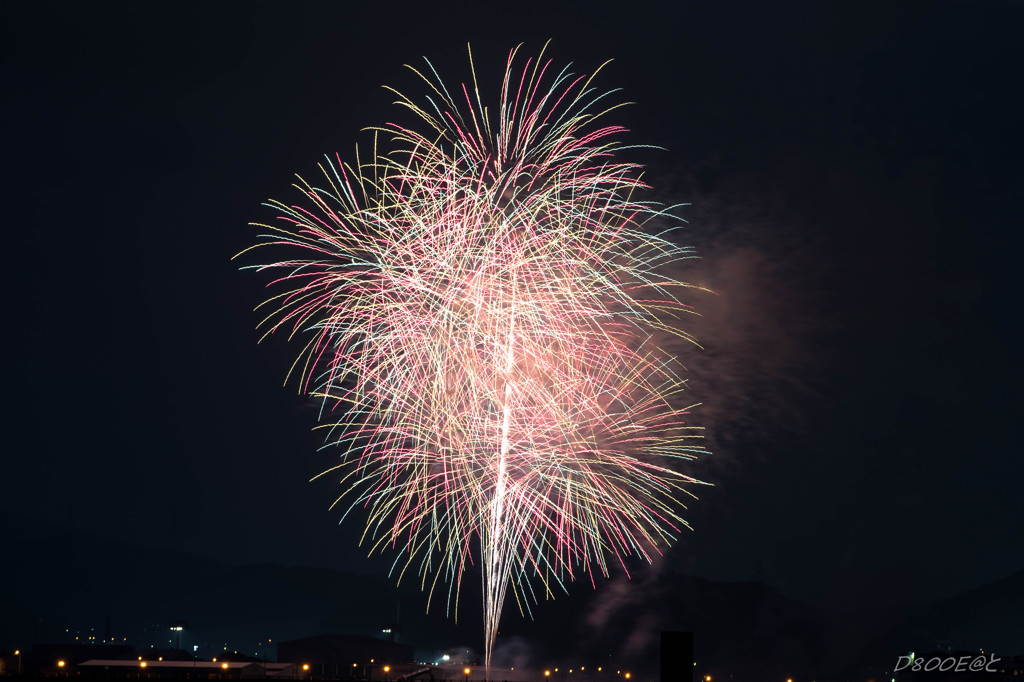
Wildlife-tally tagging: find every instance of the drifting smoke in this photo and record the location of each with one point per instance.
(756, 371)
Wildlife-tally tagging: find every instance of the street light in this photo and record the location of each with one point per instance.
(17, 652)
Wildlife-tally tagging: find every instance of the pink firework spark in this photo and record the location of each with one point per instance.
(480, 304)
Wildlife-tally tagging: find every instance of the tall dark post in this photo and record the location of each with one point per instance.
(676, 657)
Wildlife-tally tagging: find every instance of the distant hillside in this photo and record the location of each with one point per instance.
(990, 617)
(74, 583)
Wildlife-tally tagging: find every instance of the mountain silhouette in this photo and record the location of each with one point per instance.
(75, 584)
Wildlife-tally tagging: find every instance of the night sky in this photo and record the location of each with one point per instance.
(854, 178)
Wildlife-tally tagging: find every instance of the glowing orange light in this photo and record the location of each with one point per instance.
(60, 664)
(224, 666)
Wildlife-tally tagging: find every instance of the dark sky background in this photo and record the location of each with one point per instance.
(854, 175)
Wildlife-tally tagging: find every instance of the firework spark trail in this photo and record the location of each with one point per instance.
(480, 304)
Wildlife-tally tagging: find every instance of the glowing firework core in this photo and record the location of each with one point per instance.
(481, 303)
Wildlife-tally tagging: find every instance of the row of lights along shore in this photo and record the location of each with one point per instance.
(387, 669)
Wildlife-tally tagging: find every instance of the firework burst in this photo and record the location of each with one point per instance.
(479, 304)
